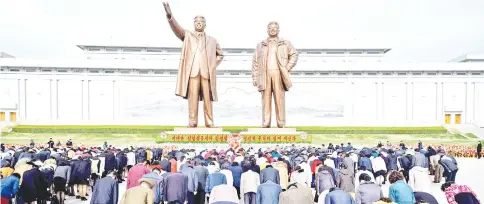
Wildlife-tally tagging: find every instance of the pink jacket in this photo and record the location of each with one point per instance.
(135, 173)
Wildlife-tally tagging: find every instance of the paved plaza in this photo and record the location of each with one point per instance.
(470, 173)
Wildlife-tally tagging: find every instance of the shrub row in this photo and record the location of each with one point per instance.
(121, 129)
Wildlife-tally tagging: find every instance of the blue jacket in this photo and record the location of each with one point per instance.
(401, 193)
(214, 179)
(105, 191)
(192, 177)
(158, 188)
(236, 174)
(268, 193)
(10, 186)
(270, 173)
(366, 162)
(338, 196)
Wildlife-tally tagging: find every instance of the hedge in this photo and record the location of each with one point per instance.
(133, 129)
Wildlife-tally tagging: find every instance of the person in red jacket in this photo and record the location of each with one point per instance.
(135, 173)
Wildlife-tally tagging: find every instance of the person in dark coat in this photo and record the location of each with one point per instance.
(165, 165)
(80, 174)
(109, 162)
(122, 164)
(425, 197)
(479, 149)
(178, 190)
(34, 186)
(106, 190)
(51, 143)
(237, 175)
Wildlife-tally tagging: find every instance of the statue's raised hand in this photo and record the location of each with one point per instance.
(167, 9)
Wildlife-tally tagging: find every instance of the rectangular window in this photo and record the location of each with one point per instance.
(387, 73)
(446, 73)
(62, 70)
(402, 73)
(461, 73)
(14, 70)
(111, 49)
(158, 72)
(476, 73)
(373, 53)
(109, 71)
(372, 73)
(153, 50)
(125, 71)
(144, 71)
(416, 73)
(131, 50)
(356, 53)
(46, 70)
(94, 49)
(342, 73)
(313, 53)
(309, 73)
(431, 73)
(93, 71)
(356, 73)
(324, 73)
(335, 53)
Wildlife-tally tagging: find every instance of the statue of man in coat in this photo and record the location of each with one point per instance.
(273, 60)
(200, 56)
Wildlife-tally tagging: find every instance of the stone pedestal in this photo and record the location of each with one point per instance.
(275, 135)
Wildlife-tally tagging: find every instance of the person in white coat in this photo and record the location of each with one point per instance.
(301, 176)
(362, 170)
(249, 181)
(419, 179)
(380, 169)
(227, 173)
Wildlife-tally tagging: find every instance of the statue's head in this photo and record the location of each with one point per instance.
(273, 29)
(199, 23)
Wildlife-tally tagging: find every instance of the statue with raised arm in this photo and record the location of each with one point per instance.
(273, 60)
(200, 56)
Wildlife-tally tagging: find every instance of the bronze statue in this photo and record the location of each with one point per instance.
(273, 60)
(201, 54)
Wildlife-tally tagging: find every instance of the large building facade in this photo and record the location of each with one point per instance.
(332, 87)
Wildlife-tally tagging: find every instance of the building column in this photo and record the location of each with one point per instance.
(380, 100)
(54, 99)
(409, 105)
(115, 100)
(22, 100)
(85, 100)
(349, 112)
(439, 103)
(469, 104)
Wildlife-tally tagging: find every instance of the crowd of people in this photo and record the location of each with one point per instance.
(286, 174)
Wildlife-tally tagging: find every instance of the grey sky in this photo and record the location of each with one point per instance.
(416, 30)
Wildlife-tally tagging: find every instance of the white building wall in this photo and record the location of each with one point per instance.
(51, 98)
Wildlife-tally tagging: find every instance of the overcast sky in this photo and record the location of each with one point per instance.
(415, 30)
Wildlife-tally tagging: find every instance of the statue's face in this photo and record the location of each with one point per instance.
(273, 30)
(199, 23)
